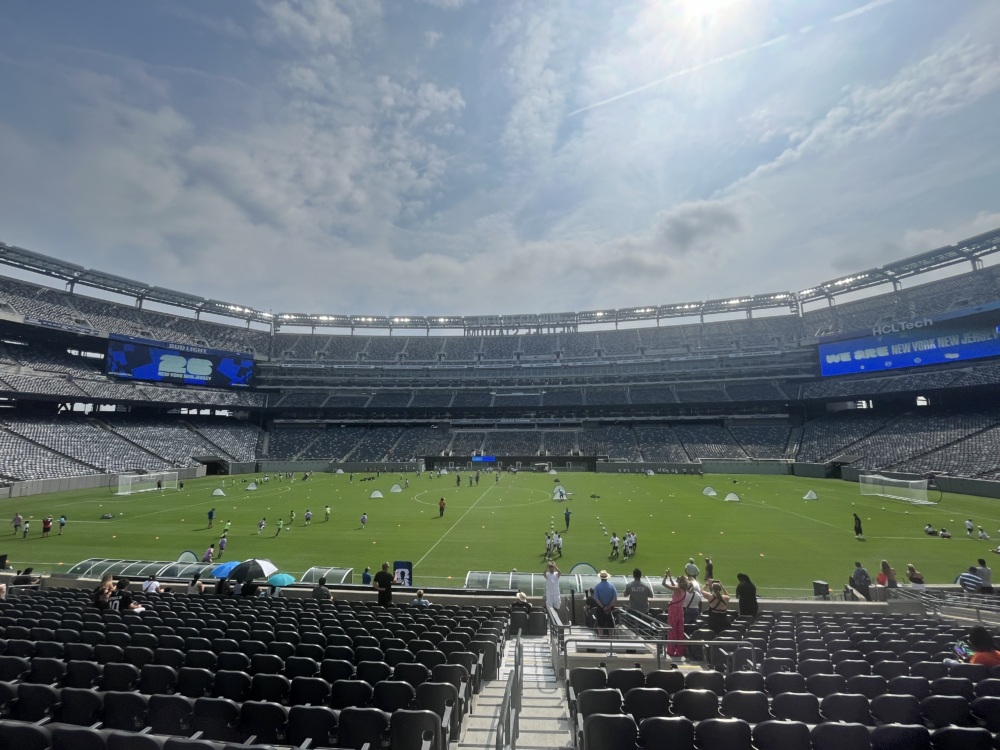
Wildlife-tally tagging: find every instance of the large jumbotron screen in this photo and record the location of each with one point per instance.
(137, 359)
(933, 340)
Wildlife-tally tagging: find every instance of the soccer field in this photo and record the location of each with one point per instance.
(782, 541)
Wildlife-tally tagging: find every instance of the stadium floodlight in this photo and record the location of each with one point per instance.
(129, 484)
(913, 491)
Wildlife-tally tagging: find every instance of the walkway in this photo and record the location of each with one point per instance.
(544, 713)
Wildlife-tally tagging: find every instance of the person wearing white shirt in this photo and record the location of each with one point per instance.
(692, 602)
(984, 572)
(552, 596)
(151, 586)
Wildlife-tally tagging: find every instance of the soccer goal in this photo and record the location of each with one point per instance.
(129, 484)
(908, 490)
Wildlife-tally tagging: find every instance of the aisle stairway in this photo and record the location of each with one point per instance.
(544, 713)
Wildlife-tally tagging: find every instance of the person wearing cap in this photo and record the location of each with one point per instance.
(606, 597)
(691, 569)
(521, 603)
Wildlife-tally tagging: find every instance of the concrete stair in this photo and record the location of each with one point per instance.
(544, 721)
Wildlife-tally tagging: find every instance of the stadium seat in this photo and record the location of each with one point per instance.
(837, 735)
(777, 734)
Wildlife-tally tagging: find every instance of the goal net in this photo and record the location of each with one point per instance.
(908, 490)
(129, 484)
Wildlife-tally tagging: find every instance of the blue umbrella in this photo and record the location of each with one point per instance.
(281, 579)
(223, 571)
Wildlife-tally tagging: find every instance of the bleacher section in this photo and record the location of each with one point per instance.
(660, 443)
(837, 680)
(615, 441)
(709, 441)
(86, 441)
(268, 671)
(512, 443)
(762, 441)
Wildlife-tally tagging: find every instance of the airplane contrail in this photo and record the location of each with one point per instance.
(727, 57)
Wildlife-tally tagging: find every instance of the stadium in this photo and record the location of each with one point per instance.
(885, 402)
(452, 375)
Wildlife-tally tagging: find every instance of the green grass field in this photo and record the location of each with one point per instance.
(780, 540)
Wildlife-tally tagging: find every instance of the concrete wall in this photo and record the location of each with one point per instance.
(89, 482)
(810, 471)
(321, 465)
(706, 466)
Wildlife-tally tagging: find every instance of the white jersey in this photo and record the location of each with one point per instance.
(552, 596)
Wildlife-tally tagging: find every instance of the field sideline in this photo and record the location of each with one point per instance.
(782, 541)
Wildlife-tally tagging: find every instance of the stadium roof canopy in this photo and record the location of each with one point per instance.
(968, 251)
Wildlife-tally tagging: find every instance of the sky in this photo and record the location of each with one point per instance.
(473, 157)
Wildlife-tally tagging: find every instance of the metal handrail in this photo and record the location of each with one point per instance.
(661, 643)
(508, 720)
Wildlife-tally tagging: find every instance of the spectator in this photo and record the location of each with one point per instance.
(915, 577)
(103, 591)
(717, 601)
(969, 581)
(419, 600)
(321, 592)
(861, 581)
(984, 650)
(606, 596)
(366, 577)
(675, 611)
(195, 586)
(521, 603)
(886, 576)
(121, 598)
(552, 597)
(152, 586)
(25, 578)
(382, 582)
(746, 593)
(692, 601)
(984, 572)
(638, 593)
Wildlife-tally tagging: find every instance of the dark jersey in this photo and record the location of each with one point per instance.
(383, 581)
(120, 600)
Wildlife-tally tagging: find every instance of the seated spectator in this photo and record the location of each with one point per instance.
(969, 581)
(195, 586)
(984, 650)
(420, 601)
(103, 591)
(521, 603)
(320, 591)
(152, 586)
(24, 578)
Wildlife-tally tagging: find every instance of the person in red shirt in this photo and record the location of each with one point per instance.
(984, 650)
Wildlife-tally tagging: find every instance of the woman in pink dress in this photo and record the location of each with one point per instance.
(675, 611)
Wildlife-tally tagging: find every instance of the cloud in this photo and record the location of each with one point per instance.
(937, 85)
(431, 38)
(445, 4)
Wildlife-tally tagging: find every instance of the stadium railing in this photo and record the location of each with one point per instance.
(508, 720)
(945, 604)
(646, 630)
